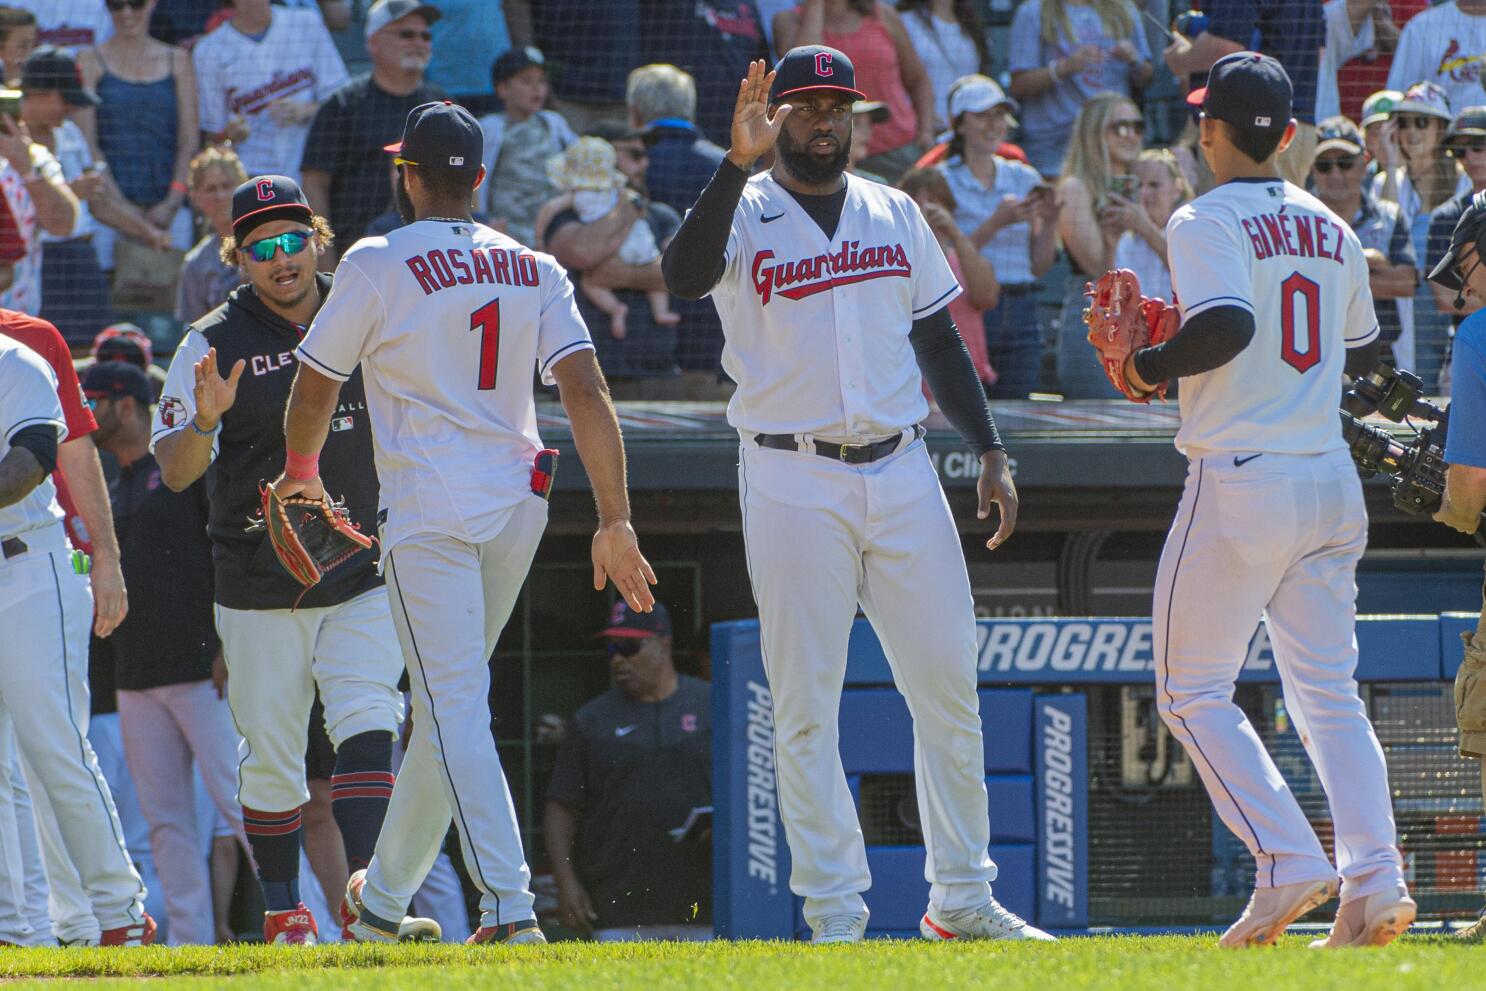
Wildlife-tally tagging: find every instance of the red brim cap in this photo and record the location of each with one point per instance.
(855, 93)
(625, 633)
(1197, 97)
(395, 147)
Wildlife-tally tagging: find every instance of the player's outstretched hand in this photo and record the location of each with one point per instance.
(995, 486)
(754, 131)
(110, 597)
(616, 555)
(214, 394)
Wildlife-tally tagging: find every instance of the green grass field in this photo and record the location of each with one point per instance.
(1171, 963)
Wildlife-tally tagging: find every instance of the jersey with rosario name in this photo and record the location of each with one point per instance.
(1273, 249)
(448, 319)
(817, 327)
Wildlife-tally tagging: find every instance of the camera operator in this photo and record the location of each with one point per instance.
(1462, 270)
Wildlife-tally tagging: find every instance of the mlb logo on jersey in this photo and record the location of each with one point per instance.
(342, 423)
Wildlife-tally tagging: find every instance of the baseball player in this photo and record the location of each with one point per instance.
(832, 292)
(448, 319)
(45, 611)
(340, 637)
(1275, 306)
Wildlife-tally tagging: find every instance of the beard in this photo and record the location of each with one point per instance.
(402, 201)
(807, 167)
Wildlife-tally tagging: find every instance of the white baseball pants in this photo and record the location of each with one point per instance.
(821, 537)
(45, 613)
(276, 657)
(165, 730)
(450, 600)
(1279, 537)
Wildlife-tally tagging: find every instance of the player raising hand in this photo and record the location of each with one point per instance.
(832, 292)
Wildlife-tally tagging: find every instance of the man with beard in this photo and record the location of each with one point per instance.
(340, 637)
(832, 292)
(345, 175)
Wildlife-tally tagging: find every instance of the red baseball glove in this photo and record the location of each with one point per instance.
(1122, 321)
(310, 536)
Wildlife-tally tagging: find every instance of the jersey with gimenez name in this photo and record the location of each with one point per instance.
(817, 327)
(447, 320)
(1273, 249)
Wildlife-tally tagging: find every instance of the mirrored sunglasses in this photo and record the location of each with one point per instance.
(1125, 128)
(293, 242)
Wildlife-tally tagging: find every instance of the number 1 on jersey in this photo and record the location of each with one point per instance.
(487, 321)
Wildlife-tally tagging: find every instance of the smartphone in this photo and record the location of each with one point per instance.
(10, 103)
(1123, 185)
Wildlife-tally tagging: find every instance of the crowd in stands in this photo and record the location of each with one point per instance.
(1059, 130)
(1044, 142)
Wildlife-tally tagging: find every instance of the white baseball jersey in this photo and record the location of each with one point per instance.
(28, 396)
(817, 328)
(1278, 252)
(70, 24)
(448, 319)
(236, 75)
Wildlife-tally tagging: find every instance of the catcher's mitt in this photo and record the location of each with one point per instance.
(310, 536)
(1122, 321)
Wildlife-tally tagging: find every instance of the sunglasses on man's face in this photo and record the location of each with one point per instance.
(625, 648)
(131, 4)
(1323, 165)
(293, 242)
(1461, 146)
(410, 34)
(1419, 122)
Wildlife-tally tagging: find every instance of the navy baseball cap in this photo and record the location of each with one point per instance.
(814, 67)
(1249, 91)
(116, 379)
(440, 135)
(625, 623)
(53, 69)
(264, 198)
(514, 60)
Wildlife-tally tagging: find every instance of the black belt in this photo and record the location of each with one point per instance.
(1019, 289)
(852, 454)
(12, 547)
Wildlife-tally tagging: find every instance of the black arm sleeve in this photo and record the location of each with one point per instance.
(1209, 340)
(40, 440)
(693, 261)
(947, 367)
(1361, 360)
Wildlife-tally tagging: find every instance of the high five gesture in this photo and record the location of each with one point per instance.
(754, 129)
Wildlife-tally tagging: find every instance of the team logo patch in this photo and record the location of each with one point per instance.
(822, 273)
(823, 64)
(172, 412)
(342, 423)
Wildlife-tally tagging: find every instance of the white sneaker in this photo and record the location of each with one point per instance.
(1271, 910)
(839, 929)
(360, 926)
(990, 921)
(1376, 920)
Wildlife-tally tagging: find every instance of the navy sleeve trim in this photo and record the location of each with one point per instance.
(1225, 300)
(937, 302)
(562, 351)
(334, 373)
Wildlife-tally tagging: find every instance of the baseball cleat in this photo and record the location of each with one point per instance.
(839, 929)
(989, 921)
(360, 926)
(138, 934)
(513, 933)
(292, 927)
(1376, 920)
(1271, 910)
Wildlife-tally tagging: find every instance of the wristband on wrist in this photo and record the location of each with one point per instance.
(300, 467)
(176, 186)
(1052, 70)
(204, 433)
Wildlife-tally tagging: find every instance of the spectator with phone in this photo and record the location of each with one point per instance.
(1010, 216)
(1064, 53)
(1142, 246)
(1097, 178)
